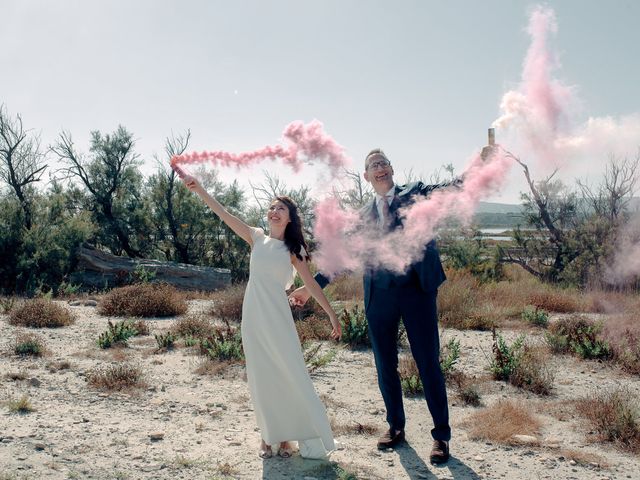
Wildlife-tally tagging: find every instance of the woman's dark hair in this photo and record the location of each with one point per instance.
(293, 238)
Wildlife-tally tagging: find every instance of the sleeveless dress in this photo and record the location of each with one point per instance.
(285, 402)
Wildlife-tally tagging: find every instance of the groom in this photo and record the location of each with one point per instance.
(411, 296)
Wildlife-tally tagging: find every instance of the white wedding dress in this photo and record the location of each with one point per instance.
(285, 402)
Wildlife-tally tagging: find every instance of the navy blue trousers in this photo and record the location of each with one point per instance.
(419, 314)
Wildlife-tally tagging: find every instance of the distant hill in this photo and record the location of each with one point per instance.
(491, 214)
(491, 207)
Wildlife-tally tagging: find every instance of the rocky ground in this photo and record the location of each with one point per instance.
(185, 425)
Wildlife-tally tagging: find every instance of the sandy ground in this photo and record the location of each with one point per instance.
(208, 428)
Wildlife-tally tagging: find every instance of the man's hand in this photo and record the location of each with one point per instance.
(299, 297)
(487, 152)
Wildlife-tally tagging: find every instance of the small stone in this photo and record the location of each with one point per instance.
(40, 446)
(235, 443)
(90, 303)
(374, 411)
(75, 303)
(526, 439)
(572, 462)
(478, 458)
(154, 437)
(34, 382)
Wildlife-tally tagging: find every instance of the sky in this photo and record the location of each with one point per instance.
(421, 79)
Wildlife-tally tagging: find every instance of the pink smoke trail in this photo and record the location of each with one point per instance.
(304, 144)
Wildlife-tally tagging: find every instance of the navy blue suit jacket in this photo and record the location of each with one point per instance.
(427, 272)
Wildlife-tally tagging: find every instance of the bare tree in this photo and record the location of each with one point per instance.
(618, 187)
(21, 161)
(174, 145)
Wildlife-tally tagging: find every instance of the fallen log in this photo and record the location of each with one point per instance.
(101, 270)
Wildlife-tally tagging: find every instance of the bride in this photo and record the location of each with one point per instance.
(285, 402)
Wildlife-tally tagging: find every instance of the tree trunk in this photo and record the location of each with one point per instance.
(99, 270)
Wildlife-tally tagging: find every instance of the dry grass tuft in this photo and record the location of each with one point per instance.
(533, 373)
(347, 288)
(143, 300)
(193, 326)
(29, 344)
(622, 334)
(585, 459)
(466, 388)
(500, 422)
(227, 303)
(557, 300)
(16, 376)
(58, 366)
(615, 417)
(212, 367)
(40, 313)
(353, 428)
(313, 328)
(21, 405)
(116, 377)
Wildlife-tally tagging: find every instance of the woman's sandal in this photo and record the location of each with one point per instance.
(286, 451)
(265, 450)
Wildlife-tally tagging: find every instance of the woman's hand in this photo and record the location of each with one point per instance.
(336, 333)
(191, 183)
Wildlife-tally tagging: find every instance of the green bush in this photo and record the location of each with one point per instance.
(28, 345)
(580, 335)
(505, 357)
(165, 341)
(449, 355)
(535, 316)
(224, 344)
(118, 333)
(354, 328)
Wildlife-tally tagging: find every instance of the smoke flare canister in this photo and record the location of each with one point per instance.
(492, 136)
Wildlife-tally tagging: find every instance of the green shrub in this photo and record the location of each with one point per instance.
(29, 345)
(118, 333)
(449, 355)
(579, 335)
(535, 316)
(165, 341)
(521, 364)
(409, 376)
(354, 328)
(39, 313)
(224, 344)
(505, 357)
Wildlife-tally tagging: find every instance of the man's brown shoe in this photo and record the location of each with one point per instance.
(439, 452)
(391, 439)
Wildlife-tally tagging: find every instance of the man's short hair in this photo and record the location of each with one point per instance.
(376, 152)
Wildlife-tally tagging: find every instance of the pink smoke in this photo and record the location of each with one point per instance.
(304, 144)
(346, 243)
(538, 108)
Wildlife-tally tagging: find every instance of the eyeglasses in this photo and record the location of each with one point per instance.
(378, 164)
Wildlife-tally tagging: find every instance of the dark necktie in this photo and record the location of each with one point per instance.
(386, 214)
